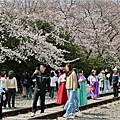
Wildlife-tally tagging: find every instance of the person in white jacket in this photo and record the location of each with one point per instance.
(53, 80)
(101, 77)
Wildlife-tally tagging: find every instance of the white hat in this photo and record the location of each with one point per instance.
(115, 69)
(106, 70)
(93, 71)
(102, 71)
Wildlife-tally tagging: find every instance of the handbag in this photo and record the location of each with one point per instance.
(92, 88)
(26, 83)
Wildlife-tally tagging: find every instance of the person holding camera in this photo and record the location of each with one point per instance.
(42, 80)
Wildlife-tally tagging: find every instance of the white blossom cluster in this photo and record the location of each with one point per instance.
(32, 42)
(92, 24)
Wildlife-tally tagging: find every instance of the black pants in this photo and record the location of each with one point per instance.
(42, 100)
(0, 107)
(11, 93)
(115, 89)
(101, 88)
(57, 86)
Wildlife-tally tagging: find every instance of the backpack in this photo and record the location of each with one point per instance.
(26, 83)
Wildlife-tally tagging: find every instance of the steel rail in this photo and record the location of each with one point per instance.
(60, 113)
(28, 109)
(25, 110)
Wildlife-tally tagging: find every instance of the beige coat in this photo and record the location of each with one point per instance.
(11, 83)
(71, 81)
(101, 79)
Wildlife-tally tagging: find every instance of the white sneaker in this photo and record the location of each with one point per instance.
(77, 110)
(32, 114)
(72, 114)
(65, 115)
(42, 113)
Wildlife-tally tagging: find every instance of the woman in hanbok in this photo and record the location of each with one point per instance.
(94, 85)
(62, 92)
(81, 93)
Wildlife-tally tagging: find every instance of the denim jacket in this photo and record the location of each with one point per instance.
(115, 78)
(1, 90)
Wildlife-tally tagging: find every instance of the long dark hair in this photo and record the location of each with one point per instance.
(93, 72)
(76, 71)
(10, 74)
(3, 74)
(70, 70)
(52, 74)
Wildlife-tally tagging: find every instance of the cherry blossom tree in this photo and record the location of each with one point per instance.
(16, 19)
(92, 24)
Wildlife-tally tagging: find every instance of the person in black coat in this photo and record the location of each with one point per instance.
(42, 80)
(27, 83)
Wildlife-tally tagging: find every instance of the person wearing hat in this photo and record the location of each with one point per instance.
(81, 93)
(115, 81)
(101, 77)
(106, 81)
(94, 85)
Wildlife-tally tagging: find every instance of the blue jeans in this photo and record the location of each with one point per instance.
(4, 102)
(106, 82)
(51, 92)
(29, 92)
(70, 106)
(76, 102)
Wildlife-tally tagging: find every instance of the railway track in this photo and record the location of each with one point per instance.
(26, 110)
(56, 114)
(88, 106)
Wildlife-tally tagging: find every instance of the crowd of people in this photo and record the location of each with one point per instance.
(69, 83)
